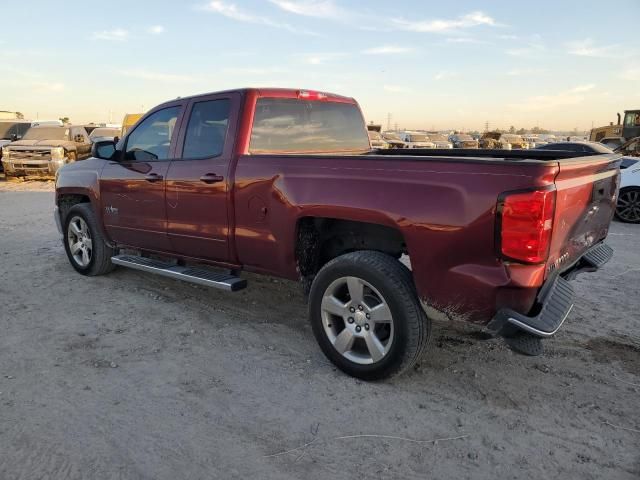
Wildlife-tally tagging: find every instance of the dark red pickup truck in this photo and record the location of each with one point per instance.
(284, 183)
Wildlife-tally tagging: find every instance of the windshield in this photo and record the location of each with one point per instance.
(9, 129)
(287, 125)
(437, 137)
(47, 133)
(632, 119)
(418, 138)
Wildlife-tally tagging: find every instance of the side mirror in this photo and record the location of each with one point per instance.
(104, 149)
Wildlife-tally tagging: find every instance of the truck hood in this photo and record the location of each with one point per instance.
(43, 143)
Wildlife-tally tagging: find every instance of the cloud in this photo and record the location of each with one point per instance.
(310, 8)
(631, 73)
(469, 20)
(386, 50)
(588, 48)
(468, 40)
(573, 96)
(47, 87)
(582, 88)
(115, 35)
(157, 76)
(521, 72)
(155, 29)
(321, 58)
(395, 89)
(230, 10)
(530, 50)
(253, 71)
(444, 75)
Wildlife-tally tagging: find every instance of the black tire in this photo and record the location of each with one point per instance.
(412, 328)
(627, 214)
(101, 253)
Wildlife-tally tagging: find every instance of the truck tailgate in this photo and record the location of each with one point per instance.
(585, 203)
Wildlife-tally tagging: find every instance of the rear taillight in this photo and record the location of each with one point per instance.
(525, 221)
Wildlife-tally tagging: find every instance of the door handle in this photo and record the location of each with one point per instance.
(211, 178)
(153, 177)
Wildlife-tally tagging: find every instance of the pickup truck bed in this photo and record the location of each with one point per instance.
(294, 190)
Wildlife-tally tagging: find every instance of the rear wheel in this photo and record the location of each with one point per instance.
(366, 316)
(628, 207)
(86, 248)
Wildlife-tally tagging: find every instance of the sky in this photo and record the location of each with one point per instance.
(445, 65)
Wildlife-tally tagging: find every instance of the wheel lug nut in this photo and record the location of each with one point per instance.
(366, 326)
(368, 316)
(352, 310)
(350, 319)
(358, 328)
(360, 307)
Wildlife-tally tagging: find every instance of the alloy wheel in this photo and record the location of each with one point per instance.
(357, 320)
(79, 240)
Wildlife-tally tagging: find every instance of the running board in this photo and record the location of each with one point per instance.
(200, 276)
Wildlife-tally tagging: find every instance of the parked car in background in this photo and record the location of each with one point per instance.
(376, 140)
(516, 141)
(50, 123)
(463, 140)
(439, 140)
(548, 137)
(494, 140)
(628, 205)
(586, 147)
(393, 139)
(534, 141)
(416, 140)
(612, 142)
(103, 133)
(44, 149)
(10, 131)
(283, 182)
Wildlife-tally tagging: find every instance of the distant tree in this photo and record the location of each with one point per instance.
(64, 120)
(538, 130)
(521, 131)
(512, 129)
(20, 115)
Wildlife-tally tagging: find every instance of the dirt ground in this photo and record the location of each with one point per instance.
(132, 376)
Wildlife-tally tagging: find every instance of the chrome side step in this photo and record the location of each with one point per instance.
(200, 276)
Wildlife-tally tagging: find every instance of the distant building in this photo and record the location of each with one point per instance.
(5, 115)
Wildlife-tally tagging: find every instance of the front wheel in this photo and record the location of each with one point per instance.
(366, 317)
(628, 207)
(86, 248)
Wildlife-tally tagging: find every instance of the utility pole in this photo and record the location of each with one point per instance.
(486, 126)
(389, 121)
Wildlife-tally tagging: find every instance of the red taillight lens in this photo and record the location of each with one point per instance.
(311, 95)
(526, 223)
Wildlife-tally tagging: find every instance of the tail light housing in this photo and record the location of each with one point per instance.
(525, 224)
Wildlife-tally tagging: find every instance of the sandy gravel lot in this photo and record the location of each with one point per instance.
(131, 376)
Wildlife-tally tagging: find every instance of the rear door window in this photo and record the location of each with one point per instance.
(287, 125)
(207, 129)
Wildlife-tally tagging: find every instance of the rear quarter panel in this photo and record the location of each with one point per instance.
(445, 211)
